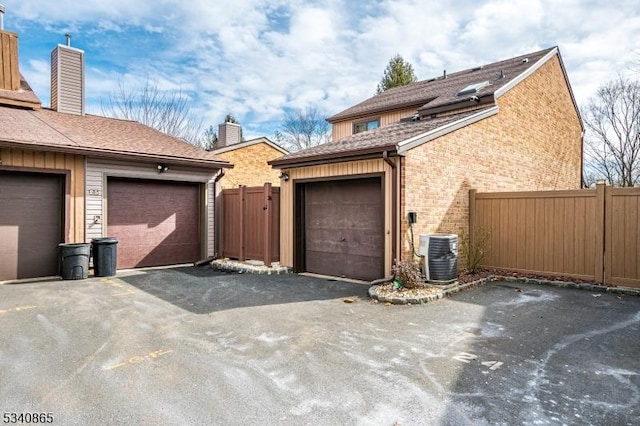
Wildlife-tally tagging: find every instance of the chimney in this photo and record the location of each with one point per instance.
(9, 69)
(67, 78)
(229, 132)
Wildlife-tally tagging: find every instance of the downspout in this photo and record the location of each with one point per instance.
(216, 227)
(394, 206)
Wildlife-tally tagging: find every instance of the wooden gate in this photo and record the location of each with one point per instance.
(251, 223)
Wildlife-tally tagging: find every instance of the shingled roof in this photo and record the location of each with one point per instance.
(98, 136)
(436, 93)
(388, 138)
(430, 98)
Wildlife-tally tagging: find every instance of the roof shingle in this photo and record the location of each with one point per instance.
(45, 128)
(443, 91)
(377, 140)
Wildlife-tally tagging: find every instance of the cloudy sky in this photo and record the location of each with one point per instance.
(257, 58)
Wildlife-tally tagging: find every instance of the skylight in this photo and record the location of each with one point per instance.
(473, 88)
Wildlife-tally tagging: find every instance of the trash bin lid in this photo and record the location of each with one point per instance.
(104, 240)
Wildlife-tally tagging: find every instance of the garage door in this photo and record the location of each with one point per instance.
(344, 228)
(155, 222)
(30, 224)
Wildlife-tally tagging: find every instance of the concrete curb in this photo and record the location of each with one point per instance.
(452, 289)
(569, 284)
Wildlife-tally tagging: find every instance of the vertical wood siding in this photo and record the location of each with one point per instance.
(9, 74)
(362, 167)
(75, 164)
(343, 129)
(96, 199)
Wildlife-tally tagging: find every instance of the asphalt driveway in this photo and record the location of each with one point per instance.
(193, 346)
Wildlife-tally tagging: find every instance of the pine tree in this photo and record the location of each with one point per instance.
(398, 73)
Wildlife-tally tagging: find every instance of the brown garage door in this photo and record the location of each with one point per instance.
(155, 222)
(344, 231)
(30, 224)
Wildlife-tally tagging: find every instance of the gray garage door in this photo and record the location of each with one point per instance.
(30, 224)
(155, 222)
(344, 228)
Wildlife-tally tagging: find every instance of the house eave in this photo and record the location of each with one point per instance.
(250, 143)
(526, 73)
(398, 107)
(457, 105)
(335, 157)
(103, 153)
(420, 139)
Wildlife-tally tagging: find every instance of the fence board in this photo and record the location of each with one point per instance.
(588, 234)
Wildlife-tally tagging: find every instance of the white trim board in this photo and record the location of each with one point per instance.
(418, 140)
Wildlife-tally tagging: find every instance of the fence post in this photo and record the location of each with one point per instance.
(268, 217)
(472, 218)
(605, 202)
(242, 194)
(600, 225)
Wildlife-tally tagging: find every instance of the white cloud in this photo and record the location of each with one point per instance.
(253, 58)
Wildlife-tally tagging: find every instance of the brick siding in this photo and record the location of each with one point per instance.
(533, 143)
(250, 166)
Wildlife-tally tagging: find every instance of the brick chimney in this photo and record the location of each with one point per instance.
(229, 132)
(67, 79)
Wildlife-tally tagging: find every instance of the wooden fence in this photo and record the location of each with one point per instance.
(251, 223)
(587, 234)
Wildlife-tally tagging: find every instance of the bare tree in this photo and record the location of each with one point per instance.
(302, 129)
(166, 111)
(612, 140)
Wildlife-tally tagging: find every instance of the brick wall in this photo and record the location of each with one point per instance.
(533, 143)
(250, 166)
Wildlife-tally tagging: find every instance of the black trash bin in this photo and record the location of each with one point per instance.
(105, 256)
(74, 261)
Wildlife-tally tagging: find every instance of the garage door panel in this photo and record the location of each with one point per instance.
(156, 222)
(351, 265)
(30, 224)
(344, 233)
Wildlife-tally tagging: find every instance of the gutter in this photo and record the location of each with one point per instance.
(102, 153)
(339, 156)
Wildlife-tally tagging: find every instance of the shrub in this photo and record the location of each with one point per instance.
(408, 273)
(474, 253)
